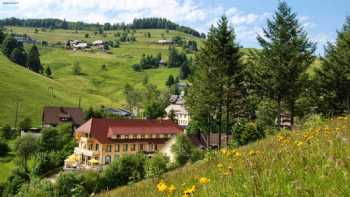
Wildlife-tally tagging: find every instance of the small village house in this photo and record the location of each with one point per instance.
(100, 141)
(100, 44)
(211, 141)
(165, 42)
(177, 106)
(119, 112)
(53, 116)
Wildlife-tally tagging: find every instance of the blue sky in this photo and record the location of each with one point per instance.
(321, 19)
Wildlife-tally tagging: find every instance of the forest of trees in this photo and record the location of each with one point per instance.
(226, 91)
(143, 23)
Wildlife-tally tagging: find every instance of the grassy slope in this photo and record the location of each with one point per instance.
(96, 87)
(32, 91)
(311, 162)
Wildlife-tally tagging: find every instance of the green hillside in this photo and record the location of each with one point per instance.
(32, 91)
(311, 162)
(96, 87)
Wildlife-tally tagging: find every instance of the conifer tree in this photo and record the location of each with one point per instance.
(216, 75)
(48, 71)
(286, 54)
(19, 56)
(333, 77)
(33, 60)
(2, 36)
(185, 70)
(8, 45)
(170, 81)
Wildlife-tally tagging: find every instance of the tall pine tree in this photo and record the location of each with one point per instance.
(216, 76)
(19, 56)
(8, 45)
(333, 77)
(286, 54)
(33, 60)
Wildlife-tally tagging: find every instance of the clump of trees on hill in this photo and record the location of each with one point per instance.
(15, 51)
(143, 23)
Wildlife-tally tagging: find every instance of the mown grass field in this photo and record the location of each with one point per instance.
(311, 162)
(95, 86)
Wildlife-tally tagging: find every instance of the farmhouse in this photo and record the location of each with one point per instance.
(177, 106)
(25, 39)
(103, 140)
(53, 116)
(100, 44)
(211, 141)
(165, 42)
(81, 45)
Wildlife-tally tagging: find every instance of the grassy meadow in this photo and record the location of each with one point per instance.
(313, 161)
(95, 86)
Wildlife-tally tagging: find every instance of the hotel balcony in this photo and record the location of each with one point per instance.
(81, 151)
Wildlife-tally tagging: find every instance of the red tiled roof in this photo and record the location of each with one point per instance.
(54, 115)
(103, 129)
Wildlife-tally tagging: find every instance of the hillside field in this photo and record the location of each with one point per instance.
(310, 162)
(95, 86)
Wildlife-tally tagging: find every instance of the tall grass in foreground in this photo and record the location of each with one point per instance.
(311, 162)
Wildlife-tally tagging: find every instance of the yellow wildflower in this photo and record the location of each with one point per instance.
(171, 188)
(220, 165)
(251, 153)
(190, 191)
(204, 181)
(238, 154)
(299, 143)
(226, 173)
(161, 186)
(230, 168)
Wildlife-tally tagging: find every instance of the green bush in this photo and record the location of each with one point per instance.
(313, 121)
(38, 188)
(182, 150)
(156, 166)
(197, 154)
(137, 67)
(266, 115)
(17, 178)
(4, 148)
(245, 133)
(42, 164)
(121, 171)
(25, 124)
(69, 184)
(7, 132)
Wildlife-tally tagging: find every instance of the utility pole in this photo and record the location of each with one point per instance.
(79, 102)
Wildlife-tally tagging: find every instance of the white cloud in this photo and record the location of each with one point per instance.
(103, 11)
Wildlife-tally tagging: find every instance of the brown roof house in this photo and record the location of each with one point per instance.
(100, 141)
(52, 116)
(211, 141)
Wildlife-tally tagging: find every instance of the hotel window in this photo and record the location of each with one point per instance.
(109, 148)
(125, 147)
(133, 147)
(117, 148)
(90, 146)
(141, 147)
(155, 147)
(97, 147)
(151, 147)
(142, 136)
